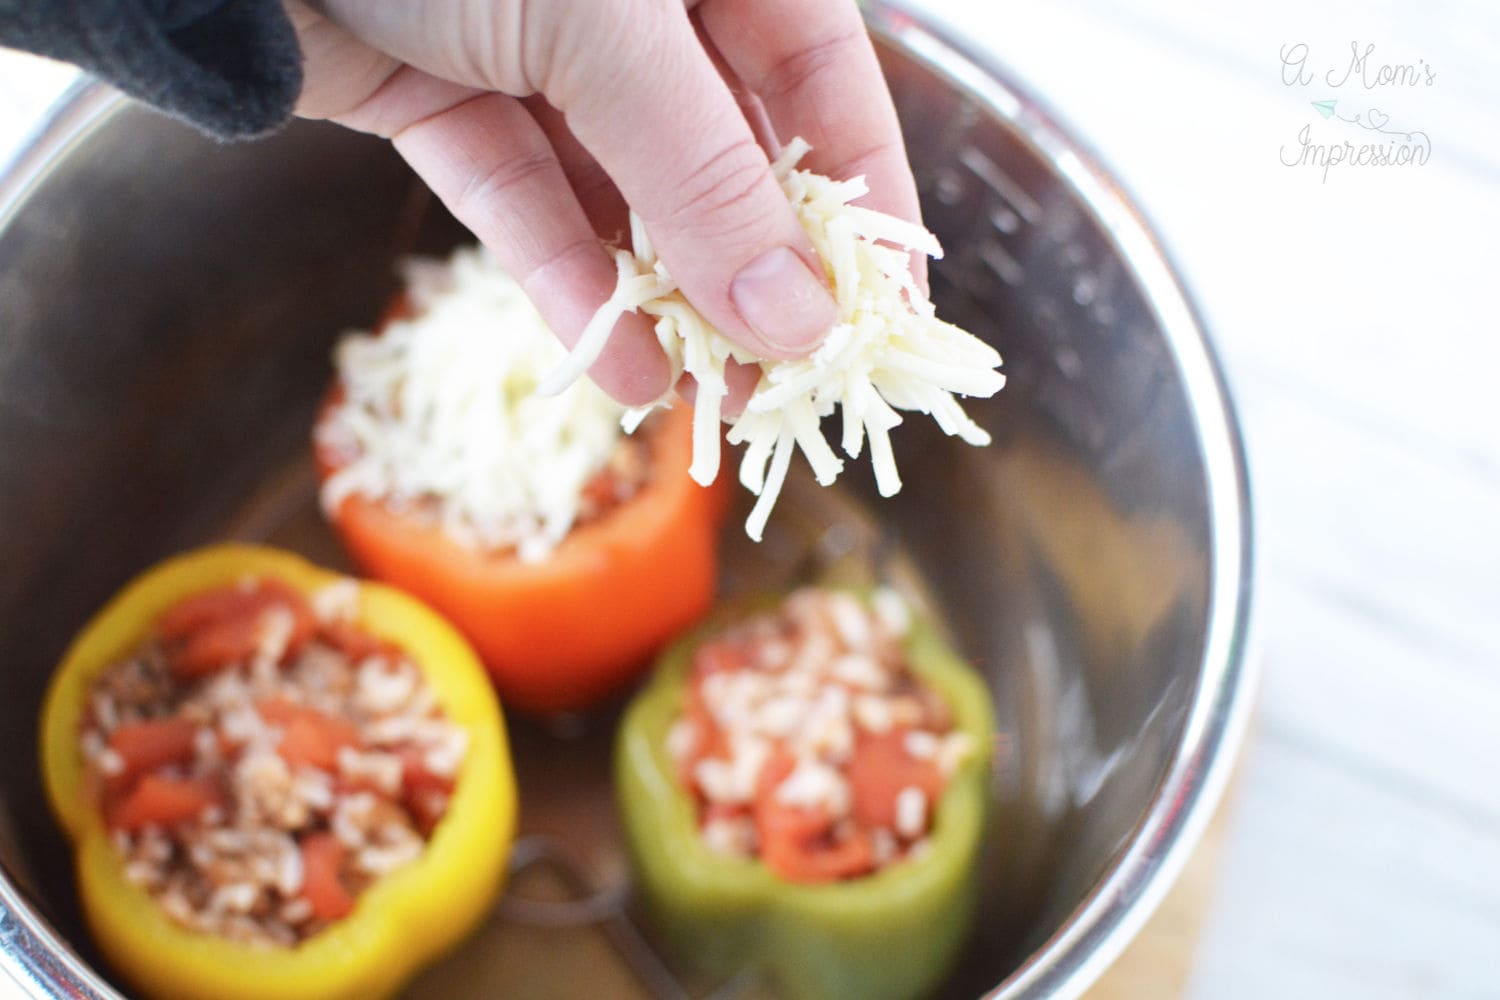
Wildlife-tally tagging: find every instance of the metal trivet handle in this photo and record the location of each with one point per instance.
(606, 907)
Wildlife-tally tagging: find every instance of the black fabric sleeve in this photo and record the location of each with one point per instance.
(230, 67)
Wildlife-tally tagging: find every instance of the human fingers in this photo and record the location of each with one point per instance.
(751, 108)
(340, 72)
(601, 200)
(814, 68)
(491, 164)
(665, 126)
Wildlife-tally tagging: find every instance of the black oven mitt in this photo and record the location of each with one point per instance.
(230, 67)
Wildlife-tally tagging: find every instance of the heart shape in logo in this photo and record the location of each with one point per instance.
(1383, 118)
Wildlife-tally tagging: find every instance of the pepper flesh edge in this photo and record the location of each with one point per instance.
(401, 922)
(891, 934)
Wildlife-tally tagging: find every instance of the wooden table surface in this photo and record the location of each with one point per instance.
(1359, 852)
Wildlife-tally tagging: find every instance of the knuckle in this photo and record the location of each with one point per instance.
(491, 189)
(380, 111)
(804, 65)
(570, 254)
(863, 161)
(719, 194)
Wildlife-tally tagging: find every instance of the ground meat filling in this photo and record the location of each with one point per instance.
(807, 741)
(260, 760)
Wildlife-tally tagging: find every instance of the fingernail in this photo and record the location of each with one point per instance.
(786, 305)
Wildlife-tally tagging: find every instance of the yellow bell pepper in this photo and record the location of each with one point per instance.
(401, 922)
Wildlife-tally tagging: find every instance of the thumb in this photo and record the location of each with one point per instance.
(663, 124)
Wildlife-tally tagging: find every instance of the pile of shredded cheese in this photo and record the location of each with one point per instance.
(441, 412)
(887, 352)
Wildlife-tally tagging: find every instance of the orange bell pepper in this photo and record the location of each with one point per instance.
(566, 632)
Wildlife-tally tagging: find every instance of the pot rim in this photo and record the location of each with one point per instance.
(1099, 928)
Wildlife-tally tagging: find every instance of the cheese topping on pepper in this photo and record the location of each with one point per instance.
(440, 411)
(887, 352)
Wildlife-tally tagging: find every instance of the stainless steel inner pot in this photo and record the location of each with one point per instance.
(167, 306)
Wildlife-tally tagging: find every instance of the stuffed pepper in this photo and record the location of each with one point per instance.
(803, 792)
(278, 781)
(566, 550)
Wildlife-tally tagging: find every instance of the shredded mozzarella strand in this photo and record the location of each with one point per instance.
(441, 411)
(887, 352)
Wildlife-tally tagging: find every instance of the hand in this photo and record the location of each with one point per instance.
(537, 121)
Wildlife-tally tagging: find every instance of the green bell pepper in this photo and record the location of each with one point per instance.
(891, 934)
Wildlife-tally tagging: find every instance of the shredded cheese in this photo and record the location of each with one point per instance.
(888, 351)
(441, 412)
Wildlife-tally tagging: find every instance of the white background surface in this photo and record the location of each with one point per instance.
(1356, 318)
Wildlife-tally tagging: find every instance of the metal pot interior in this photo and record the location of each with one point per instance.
(167, 308)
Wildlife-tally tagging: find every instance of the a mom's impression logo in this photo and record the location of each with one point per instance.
(1349, 130)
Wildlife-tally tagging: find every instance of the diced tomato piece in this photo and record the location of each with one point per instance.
(715, 811)
(212, 629)
(879, 769)
(787, 834)
(229, 747)
(322, 858)
(797, 843)
(778, 823)
(417, 777)
(357, 644)
(161, 801)
(227, 603)
(427, 807)
(602, 491)
(278, 711)
(723, 654)
(822, 860)
(308, 737)
(149, 744)
(315, 743)
(773, 772)
(424, 794)
(216, 645)
(190, 614)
